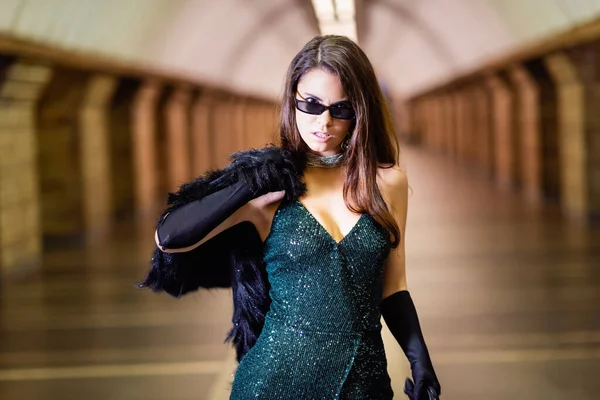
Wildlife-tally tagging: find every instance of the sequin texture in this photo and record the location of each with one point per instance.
(322, 334)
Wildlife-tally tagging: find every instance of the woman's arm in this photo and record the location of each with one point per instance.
(238, 216)
(252, 212)
(397, 307)
(209, 204)
(395, 193)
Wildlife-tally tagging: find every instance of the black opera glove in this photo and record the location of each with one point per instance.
(400, 315)
(202, 205)
(190, 223)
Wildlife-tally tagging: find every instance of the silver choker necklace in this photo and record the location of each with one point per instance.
(313, 160)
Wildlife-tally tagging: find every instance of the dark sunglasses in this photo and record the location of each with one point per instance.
(341, 110)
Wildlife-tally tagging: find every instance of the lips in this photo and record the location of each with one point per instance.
(322, 136)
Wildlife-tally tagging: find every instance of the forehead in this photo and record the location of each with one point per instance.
(322, 84)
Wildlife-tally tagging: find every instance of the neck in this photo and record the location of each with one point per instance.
(314, 160)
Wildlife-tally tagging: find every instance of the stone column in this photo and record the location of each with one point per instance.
(239, 124)
(177, 118)
(414, 125)
(484, 139)
(470, 132)
(162, 144)
(222, 133)
(436, 113)
(95, 157)
(451, 125)
(401, 115)
(578, 94)
(571, 135)
(460, 125)
(426, 113)
(200, 133)
(21, 84)
(253, 126)
(270, 121)
(441, 123)
(548, 110)
(61, 157)
(506, 150)
(144, 150)
(587, 60)
(527, 124)
(121, 149)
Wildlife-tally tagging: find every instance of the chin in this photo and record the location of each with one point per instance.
(324, 149)
(328, 148)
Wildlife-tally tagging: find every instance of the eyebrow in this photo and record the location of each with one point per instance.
(307, 94)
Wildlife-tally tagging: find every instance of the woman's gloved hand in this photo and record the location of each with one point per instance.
(400, 315)
(424, 390)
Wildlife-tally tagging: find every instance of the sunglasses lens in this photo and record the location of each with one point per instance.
(342, 112)
(310, 108)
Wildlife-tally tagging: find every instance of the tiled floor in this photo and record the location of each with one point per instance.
(508, 296)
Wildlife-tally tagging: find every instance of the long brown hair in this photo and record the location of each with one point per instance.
(373, 141)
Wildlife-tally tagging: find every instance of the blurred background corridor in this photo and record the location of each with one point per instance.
(106, 106)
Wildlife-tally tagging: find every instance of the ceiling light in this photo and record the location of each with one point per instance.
(336, 17)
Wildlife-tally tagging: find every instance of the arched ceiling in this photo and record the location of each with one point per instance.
(416, 44)
(242, 44)
(248, 44)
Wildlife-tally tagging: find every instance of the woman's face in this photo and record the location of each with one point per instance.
(322, 133)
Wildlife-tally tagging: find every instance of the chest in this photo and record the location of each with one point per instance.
(324, 201)
(298, 244)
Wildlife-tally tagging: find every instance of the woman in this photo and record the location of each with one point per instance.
(331, 252)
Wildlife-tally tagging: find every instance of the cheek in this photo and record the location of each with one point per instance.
(345, 125)
(303, 122)
(340, 128)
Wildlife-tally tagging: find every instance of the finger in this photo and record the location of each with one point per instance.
(272, 197)
(420, 391)
(409, 387)
(433, 395)
(269, 198)
(278, 195)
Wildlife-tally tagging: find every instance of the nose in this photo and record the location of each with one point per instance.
(325, 118)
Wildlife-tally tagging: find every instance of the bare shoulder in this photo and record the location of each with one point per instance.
(393, 184)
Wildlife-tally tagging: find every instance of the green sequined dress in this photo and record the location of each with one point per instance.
(322, 334)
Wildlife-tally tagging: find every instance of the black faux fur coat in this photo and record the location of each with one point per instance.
(234, 258)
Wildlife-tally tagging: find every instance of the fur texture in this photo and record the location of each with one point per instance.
(234, 258)
(264, 170)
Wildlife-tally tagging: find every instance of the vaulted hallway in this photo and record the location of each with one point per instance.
(106, 107)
